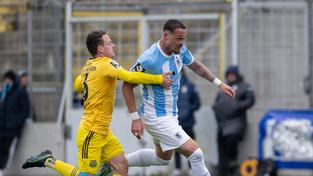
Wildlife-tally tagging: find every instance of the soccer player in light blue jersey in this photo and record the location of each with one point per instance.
(158, 110)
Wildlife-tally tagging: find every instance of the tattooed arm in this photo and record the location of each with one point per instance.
(202, 70)
(205, 73)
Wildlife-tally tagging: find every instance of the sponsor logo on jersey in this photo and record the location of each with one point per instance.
(138, 68)
(178, 136)
(93, 163)
(115, 64)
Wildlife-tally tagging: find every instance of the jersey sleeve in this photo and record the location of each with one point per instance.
(139, 77)
(186, 55)
(138, 73)
(142, 64)
(77, 84)
(111, 69)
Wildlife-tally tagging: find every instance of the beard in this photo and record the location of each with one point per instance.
(176, 51)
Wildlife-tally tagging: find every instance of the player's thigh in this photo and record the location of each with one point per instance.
(166, 155)
(89, 146)
(113, 150)
(167, 133)
(188, 147)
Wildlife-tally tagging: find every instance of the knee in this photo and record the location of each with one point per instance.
(124, 167)
(120, 167)
(162, 162)
(197, 155)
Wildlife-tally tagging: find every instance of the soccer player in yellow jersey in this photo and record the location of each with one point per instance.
(95, 141)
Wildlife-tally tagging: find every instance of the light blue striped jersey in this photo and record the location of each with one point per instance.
(158, 101)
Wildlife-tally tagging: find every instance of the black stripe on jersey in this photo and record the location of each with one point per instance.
(86, 144)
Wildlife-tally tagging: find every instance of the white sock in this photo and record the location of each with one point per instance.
(198, 167)
(145, 157)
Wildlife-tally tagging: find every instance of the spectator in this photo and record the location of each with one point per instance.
(188, 102)
(23, 79)
(14, 105)
(231, 120)
(24, 83)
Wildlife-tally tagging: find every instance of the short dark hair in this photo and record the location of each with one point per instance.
(94, 40)
(172, 24)
(10, 75)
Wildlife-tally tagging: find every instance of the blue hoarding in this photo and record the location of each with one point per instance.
(287, 137)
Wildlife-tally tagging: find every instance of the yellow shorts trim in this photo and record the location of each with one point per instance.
(95, 148)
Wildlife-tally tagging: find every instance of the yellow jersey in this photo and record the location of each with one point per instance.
(97, 81)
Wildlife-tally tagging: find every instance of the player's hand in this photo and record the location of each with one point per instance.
(227, 90)
(167, 82)
(137, 128)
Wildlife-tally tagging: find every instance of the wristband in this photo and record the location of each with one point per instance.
(134, 115)
(217, 82)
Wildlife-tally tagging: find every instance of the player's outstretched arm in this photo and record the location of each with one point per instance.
(129, 97)
(205, 73)
(144, 78)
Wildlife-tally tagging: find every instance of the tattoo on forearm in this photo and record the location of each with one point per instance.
(202, 71)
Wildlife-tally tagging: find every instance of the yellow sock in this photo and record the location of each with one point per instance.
(63, 168)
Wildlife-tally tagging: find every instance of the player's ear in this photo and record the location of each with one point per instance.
(165, 34)
(100, 48)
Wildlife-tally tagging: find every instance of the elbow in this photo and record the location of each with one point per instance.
(126, 87)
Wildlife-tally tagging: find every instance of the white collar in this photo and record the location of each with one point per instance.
(162, 52)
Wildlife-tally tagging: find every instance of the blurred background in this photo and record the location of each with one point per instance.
(270, 40)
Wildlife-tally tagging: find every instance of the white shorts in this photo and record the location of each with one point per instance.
(165, 131)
